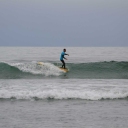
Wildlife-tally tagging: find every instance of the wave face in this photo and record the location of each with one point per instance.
(95, 70)
(27, 70)
(100, 70)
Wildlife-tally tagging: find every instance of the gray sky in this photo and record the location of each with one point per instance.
(64, 23)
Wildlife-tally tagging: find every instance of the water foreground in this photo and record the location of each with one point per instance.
(63, 114)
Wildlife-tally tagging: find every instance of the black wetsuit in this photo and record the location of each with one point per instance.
(63, 63)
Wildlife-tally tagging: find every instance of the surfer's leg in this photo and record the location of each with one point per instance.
(63, 63)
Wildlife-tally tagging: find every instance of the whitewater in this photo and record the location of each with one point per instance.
(93, 94)
(64, 89)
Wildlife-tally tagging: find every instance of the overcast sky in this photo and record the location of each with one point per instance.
(64, 23)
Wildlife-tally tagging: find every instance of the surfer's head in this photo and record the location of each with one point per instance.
(64, 50)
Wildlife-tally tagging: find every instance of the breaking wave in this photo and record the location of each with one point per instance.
(95, 70)
(60, 94)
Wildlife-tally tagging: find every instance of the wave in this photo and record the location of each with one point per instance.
(64, 94)
(95, 70)
(84, 89)
(27, 70)
(100, 70)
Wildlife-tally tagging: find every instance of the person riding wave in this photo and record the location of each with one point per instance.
(62, 58)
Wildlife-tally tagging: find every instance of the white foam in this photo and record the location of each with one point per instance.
(63, 94)
(66, 89)
(46, 69)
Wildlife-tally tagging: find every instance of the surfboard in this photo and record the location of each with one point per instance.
(40, 63)
(64, 70)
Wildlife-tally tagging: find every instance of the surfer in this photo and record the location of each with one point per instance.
(62, 57)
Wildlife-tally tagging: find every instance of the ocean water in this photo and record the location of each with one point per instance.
(93, 94)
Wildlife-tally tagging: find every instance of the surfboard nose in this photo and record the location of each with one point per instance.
(40, 63)
(63, 69)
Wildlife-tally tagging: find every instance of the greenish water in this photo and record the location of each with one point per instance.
(93, 70)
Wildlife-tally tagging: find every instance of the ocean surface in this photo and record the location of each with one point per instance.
(93, 94)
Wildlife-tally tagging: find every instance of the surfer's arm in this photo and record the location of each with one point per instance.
(65, 58)
(66, 54)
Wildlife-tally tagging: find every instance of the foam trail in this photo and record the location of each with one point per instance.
(46, 69)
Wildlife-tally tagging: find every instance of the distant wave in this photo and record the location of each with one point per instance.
(95, 70)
